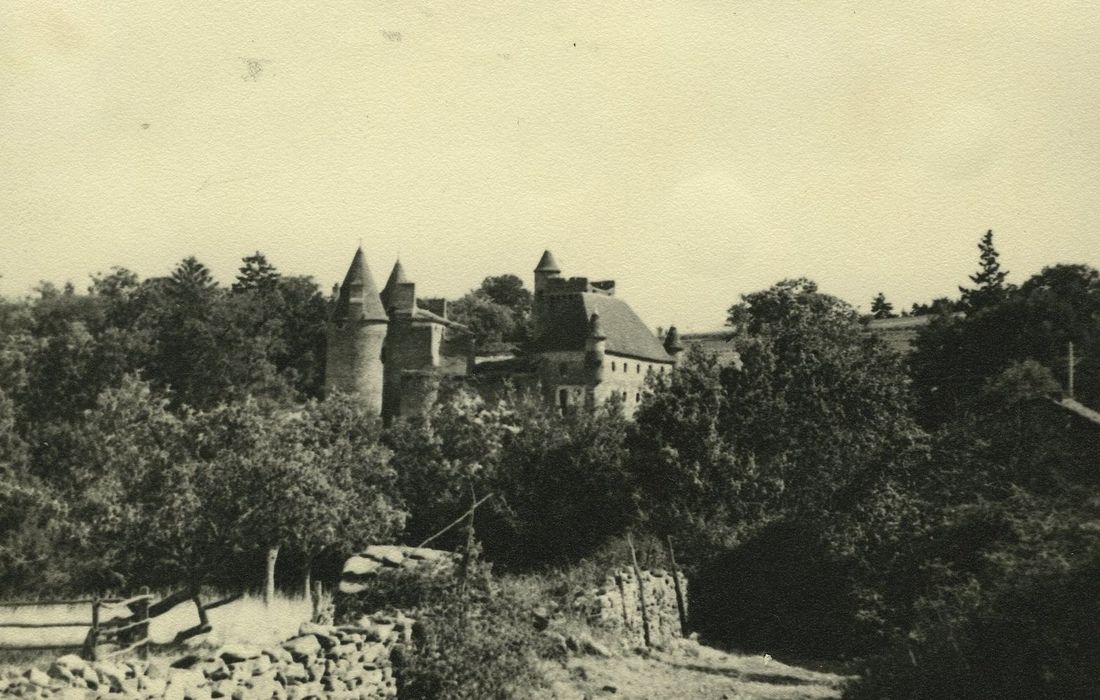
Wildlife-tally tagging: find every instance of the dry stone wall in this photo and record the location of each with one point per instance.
(360, 569)
(323, 661)
(616, 606)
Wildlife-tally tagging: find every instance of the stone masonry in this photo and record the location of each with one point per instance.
(616, 607)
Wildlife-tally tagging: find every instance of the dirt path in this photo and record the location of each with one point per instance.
(688, 671)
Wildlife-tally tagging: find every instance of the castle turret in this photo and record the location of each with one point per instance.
(672, 344)
(546, 270)
(356, 333)
(397, 276)
(595, 347)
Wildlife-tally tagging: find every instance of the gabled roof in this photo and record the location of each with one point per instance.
(547, 263)
(566, 321)
(397, 276)
(358, 288)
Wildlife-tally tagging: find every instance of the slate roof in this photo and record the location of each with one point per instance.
(360, 281)
(397, 276)
(547, 263)
(566, 326)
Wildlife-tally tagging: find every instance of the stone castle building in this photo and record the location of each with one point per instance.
(393, 350)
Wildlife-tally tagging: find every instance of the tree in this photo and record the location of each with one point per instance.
(817, 402)
(880, 308)
(954, 355)
(256, 274)
(939, 305)
(507, 290)
(990, 286)
(692, 483)
(498, 311)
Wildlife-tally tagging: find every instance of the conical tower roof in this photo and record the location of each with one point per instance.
(595, 330)
(672, 341)
(547, 263)
(397, 276)
(358, 294)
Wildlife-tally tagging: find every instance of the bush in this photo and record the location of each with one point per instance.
(472, 640)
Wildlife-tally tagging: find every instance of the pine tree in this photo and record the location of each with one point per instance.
(880, 308)
(990, 287)
(191, 277)
(256, 274)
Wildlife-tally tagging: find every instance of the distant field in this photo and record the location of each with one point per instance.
(245, 620)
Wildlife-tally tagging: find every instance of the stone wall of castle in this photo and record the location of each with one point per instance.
(353, 362)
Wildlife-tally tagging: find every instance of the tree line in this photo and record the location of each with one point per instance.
(929, 518)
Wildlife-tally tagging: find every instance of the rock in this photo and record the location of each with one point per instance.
(325, 635)
(37, 677)
(425, 554)
(72, 662)
(186, 661)
(609, 689)
(260, 665)
(186, 683)
(223, 689)
(278, 655)
(74, 694)
(380, 631)
(386, 553)
(152, 687)
(373, 651)
(215, 669)
(541, 618)
(233, 653)
(361, 566)
(110, 675)
(304, 647)
(295, 673)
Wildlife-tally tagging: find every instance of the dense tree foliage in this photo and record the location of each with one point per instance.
(497, 312)
(933, 518)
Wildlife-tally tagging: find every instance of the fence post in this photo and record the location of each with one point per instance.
(680, 607)
(641, 590)
(203, 619)
(316, 597)
(142, 614)
(90, 641)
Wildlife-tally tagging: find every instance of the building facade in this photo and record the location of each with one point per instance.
(393, 351)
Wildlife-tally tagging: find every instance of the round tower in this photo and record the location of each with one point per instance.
(672, 343)
(595, 347)
(546, 270)
(356, 334)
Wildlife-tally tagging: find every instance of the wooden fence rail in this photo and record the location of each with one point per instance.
(129, 632)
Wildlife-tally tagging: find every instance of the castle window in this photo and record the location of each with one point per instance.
(564, 367)
(637, 397)
(563, 399)
(613, 365)
(638, 368)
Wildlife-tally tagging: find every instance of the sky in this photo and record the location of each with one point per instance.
(693, 151)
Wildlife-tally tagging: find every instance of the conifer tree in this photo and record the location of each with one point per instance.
(990, 286)
(256, 273)
(880, 308)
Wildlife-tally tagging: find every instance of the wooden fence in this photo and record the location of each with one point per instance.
(126, 633)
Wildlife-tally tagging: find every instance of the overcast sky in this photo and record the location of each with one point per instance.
(693, 151)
